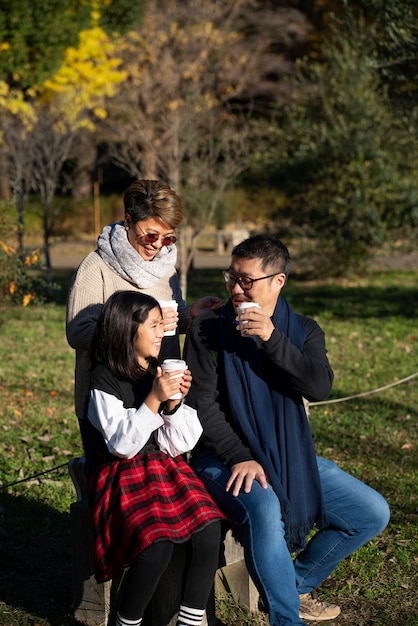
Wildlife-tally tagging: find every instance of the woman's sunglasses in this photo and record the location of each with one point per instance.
(153, 237)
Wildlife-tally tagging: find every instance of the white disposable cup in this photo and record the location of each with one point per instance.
(246, 305)
(169, 304)
(174, 365)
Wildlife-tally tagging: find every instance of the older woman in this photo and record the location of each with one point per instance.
(136, 254)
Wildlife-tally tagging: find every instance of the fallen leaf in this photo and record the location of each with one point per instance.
(46, 437)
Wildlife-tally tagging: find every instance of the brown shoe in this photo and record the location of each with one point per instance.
(312, 609)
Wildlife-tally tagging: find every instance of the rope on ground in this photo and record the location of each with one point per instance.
(365, 393)
(24, 480)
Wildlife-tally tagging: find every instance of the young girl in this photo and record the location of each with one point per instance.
(142, 495)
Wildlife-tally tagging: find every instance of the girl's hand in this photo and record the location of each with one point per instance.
(167, 385)
(163, 387)
(185, 383)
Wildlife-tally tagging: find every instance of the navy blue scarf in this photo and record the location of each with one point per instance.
(274, 425)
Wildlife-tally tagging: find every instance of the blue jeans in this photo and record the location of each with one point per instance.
(356, 513)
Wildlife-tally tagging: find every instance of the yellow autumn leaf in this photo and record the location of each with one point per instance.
(7, 249)
(89, 74)
(14, 102)
(100, 113)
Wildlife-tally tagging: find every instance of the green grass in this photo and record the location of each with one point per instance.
(372, 338)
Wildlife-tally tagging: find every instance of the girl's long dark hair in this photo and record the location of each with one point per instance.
(115, 331)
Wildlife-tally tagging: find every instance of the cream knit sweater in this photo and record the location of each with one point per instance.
(92, 284)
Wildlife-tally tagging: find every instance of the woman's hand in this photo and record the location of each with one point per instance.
(170, 318)
(207, 303)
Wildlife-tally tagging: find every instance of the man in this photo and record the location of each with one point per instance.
(256, 455)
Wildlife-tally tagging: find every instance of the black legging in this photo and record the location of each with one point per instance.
(141, 580)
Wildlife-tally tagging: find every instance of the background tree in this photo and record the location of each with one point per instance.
(68, 105)
(178, 117)
(35, 35)
(347, 158)
(16, 171)
(393, 26)
(339, 147)
(34, 40)
(40, 135)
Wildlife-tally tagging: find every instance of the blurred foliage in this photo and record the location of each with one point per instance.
(21, 283)
(393, 26)
(41, 128)
(344, 155)
(34, 35)
(119, 16)
(335, 165)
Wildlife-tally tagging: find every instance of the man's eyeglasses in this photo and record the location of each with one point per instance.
(244, 282)
(153, 237)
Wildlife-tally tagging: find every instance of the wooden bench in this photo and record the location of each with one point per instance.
(93, 603)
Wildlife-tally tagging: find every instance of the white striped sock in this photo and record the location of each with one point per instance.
(123, 621)
(189, 617)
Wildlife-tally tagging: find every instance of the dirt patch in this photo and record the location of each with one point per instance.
(68, 255)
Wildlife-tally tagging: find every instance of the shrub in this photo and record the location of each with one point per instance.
(21, 281)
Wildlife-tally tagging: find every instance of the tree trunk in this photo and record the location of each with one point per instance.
(86, 162)
(182, 262)
(5, 191)
(20, 205)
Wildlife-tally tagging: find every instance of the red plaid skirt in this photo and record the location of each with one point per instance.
(138, 501)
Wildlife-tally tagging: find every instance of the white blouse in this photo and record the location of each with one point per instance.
(126, 431)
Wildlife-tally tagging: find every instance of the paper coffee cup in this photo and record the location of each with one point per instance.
(174, 365)
(169, 304)
(246, 305)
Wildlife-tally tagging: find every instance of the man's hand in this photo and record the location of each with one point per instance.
(257, 323)
(244, 474)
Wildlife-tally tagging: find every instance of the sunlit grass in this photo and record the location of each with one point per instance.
(371, 335)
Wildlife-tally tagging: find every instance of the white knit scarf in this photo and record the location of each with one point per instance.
(114, 248)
